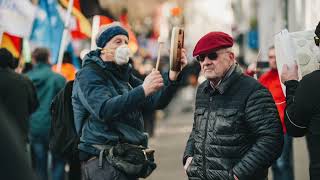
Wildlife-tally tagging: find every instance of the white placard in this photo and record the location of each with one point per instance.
(297, 48)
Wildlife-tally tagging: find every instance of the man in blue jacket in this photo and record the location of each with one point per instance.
(110, 107)
(47, 84)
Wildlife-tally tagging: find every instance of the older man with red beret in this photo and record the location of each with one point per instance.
(236, 132)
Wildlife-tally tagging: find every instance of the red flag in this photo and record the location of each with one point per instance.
(105, 20)
(12, 43)
(83, 28)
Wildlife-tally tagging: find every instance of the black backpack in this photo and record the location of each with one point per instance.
(63, 135)
(64, 138)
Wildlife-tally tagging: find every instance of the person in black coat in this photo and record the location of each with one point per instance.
(17, 93)
(302, 114)
(236, 132)
(14, 160)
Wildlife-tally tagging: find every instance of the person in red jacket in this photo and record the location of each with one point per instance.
(282, 169)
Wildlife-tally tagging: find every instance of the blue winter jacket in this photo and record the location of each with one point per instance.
(110, 109)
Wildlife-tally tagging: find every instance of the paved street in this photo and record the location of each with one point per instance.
(172, 133)
(170, 139)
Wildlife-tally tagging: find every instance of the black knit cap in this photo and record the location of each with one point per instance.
(109, 32)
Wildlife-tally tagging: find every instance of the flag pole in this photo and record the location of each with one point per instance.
(1, 34)
(95, 29)
(64, 35)
(25, 57)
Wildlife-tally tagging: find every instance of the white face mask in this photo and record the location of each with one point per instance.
(122, 54)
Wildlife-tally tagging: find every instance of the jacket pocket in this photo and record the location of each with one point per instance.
(199, 118)
(226, 121)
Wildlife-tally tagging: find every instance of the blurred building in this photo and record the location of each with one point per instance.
(303, 14)
(203, 16)
(275, 15)
(271, 16)
(253, 23)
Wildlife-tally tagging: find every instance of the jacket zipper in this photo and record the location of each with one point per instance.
(204, 141)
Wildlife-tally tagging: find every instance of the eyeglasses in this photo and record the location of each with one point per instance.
(212, 56)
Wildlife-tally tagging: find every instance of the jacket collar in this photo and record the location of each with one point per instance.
(231, 76)
(42, 65)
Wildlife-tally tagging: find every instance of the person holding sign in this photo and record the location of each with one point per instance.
(302, 114)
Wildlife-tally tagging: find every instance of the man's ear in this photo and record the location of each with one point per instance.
(231, 56)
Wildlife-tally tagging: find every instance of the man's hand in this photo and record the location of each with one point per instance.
(152, 83)
(289, 73)
(108, 53)
(173, 75)
(188, 161)
(235, 177)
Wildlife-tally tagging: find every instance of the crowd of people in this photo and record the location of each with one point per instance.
(242, 126)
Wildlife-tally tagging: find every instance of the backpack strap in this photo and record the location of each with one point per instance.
(104, 75)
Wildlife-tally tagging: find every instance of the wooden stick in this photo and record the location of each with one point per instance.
(159, 53)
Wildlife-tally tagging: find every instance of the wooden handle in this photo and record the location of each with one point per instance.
(158, 58)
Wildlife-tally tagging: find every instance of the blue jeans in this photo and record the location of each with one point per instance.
(40, 149)
(282, 169)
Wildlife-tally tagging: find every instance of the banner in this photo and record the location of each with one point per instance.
(48, 28)
(17, 17)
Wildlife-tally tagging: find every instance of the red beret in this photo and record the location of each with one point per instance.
(211, 42)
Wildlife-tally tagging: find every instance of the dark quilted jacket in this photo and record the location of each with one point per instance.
(236, 130)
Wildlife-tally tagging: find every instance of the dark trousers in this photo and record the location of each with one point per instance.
(75, 169)
(91, 171)
(313, 144)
